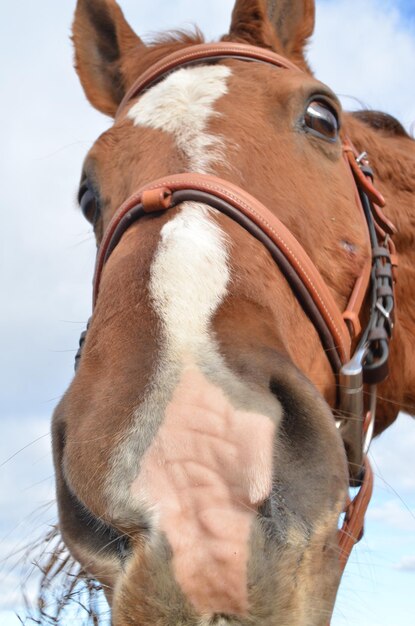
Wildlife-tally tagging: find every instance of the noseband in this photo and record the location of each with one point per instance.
(338, 330)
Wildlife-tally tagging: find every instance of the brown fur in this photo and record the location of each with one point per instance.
(280, 25)
(250, 24)
(263, 334)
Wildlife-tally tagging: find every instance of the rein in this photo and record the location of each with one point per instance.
(338, 330)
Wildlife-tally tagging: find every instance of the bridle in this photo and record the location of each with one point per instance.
(338, 330)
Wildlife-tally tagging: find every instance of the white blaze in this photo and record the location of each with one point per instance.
(190, 271)
(182, 105)
(189, 279)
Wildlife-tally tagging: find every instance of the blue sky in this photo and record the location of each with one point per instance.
(364, 49)
(407, 8)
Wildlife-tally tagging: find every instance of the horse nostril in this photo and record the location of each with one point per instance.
(107, 538)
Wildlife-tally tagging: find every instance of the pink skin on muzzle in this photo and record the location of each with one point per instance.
(205, 475)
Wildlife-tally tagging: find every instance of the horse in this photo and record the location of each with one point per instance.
(244, 344)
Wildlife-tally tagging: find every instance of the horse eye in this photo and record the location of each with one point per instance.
(88, 202)
(321, 120)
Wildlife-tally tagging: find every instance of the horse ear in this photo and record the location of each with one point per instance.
(250, 24)
(283, 25)
(103, 41)
(293, 21)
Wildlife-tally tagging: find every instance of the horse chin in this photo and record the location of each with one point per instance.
(147, 593)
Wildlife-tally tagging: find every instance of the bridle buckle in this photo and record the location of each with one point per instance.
(351, 413)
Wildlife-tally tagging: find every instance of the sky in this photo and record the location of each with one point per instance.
(365, 50)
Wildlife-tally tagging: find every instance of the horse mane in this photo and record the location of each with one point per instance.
(382, 121)
(157, 46)
(189, 36)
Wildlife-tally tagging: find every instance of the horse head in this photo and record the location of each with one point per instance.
(200, 470)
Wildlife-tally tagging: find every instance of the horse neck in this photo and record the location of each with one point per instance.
(393, 160)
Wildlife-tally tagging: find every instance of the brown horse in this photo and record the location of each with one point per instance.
(200, 473)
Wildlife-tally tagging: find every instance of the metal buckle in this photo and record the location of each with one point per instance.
(369, 428)
(363, 156)
(351, 414)
(352, 529)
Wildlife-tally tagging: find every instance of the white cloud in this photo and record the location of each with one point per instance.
(392, 457)
(26, 502)
(365, 49)
(394, 514)
(11, 587)
(407, 564)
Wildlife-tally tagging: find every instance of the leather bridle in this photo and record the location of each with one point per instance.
(338, 330)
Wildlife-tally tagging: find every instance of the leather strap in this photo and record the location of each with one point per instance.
(354, 307)
(191, 55)
(352, 529)
(300, 271)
